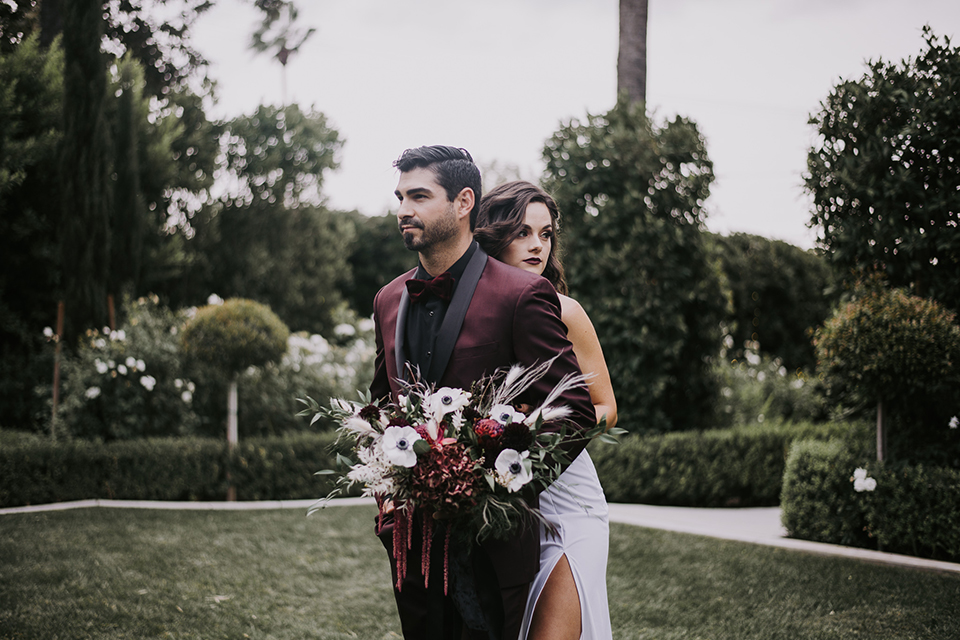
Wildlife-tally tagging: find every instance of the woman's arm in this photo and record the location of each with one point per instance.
(589, 354)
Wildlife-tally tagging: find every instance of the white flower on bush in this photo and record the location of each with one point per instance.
(954, 422)
(186, 396)
(513, 469)
(214, 299)
(505, 414)
(99, 343)
(148, 382)
(47, 332)
(101, 366)
(862, 482)
(118, 335)
(344, 330)
(121, 369)
(446, 400)
(131, 363)
(365, 324)
(92, 392)
(397, 443)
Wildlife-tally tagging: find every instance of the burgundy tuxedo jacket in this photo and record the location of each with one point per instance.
(499, 316)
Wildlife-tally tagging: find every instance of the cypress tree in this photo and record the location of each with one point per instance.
(127, 227)
(85, 162)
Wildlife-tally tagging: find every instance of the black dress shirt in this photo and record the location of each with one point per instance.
(425, 318)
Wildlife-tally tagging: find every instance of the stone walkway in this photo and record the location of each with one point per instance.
(756, 525)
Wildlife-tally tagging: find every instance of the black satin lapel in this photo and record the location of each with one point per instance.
(456, 312)
(401, 335)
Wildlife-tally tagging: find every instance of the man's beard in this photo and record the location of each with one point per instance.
(438, 231)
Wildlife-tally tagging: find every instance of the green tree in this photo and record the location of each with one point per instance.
(269, 238)
(899, 355)
(18, 20)
(885, 174)
(129, 211)
(231, 337)
(31, 100)
(86, 192)
(780, 294)
(376, 257)
(631, 195)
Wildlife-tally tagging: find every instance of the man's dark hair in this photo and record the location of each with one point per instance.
(453, 167)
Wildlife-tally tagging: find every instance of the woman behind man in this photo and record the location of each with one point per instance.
(517, 224)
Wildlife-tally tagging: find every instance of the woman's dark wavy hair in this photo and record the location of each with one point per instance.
(501, 219)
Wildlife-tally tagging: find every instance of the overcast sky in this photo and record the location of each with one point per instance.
(498, 77)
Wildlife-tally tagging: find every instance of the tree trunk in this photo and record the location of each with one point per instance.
(881, 432)
(232, 414)
(231, 433)
(632, 59)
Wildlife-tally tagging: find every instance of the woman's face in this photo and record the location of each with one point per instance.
(531, 248)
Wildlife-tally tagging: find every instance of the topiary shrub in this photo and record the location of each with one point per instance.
(900, 354)
(229, 338)
(235, 335)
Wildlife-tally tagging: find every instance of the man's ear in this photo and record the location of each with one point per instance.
(464, 202)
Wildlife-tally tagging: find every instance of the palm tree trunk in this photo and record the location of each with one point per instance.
(632, 58)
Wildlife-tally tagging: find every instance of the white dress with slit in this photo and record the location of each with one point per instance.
(576, 506)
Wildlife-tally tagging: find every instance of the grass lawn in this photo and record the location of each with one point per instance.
(125, 573)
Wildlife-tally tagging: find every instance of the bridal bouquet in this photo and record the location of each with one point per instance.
(461, 456)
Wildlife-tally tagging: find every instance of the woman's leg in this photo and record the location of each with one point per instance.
(557, 616)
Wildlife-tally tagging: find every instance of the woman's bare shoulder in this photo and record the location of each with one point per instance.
(573, 315)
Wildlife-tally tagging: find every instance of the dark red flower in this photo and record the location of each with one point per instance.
(488, 432)
(516, 435)
(370, 413)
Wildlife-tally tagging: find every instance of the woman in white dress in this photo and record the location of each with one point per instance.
(517, 224)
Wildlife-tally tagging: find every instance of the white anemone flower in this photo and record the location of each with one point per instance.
(446, 400)
(513, 469)
(397, 446)
(505, 414)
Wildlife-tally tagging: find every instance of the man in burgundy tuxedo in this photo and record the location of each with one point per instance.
(462, 316)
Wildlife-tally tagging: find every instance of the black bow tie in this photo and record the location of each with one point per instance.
(441, 286)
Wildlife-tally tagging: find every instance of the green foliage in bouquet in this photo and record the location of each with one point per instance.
(468, 458)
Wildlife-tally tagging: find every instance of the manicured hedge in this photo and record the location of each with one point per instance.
(740, 467)
(39, 472)
(912, 510)
(733, 467)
